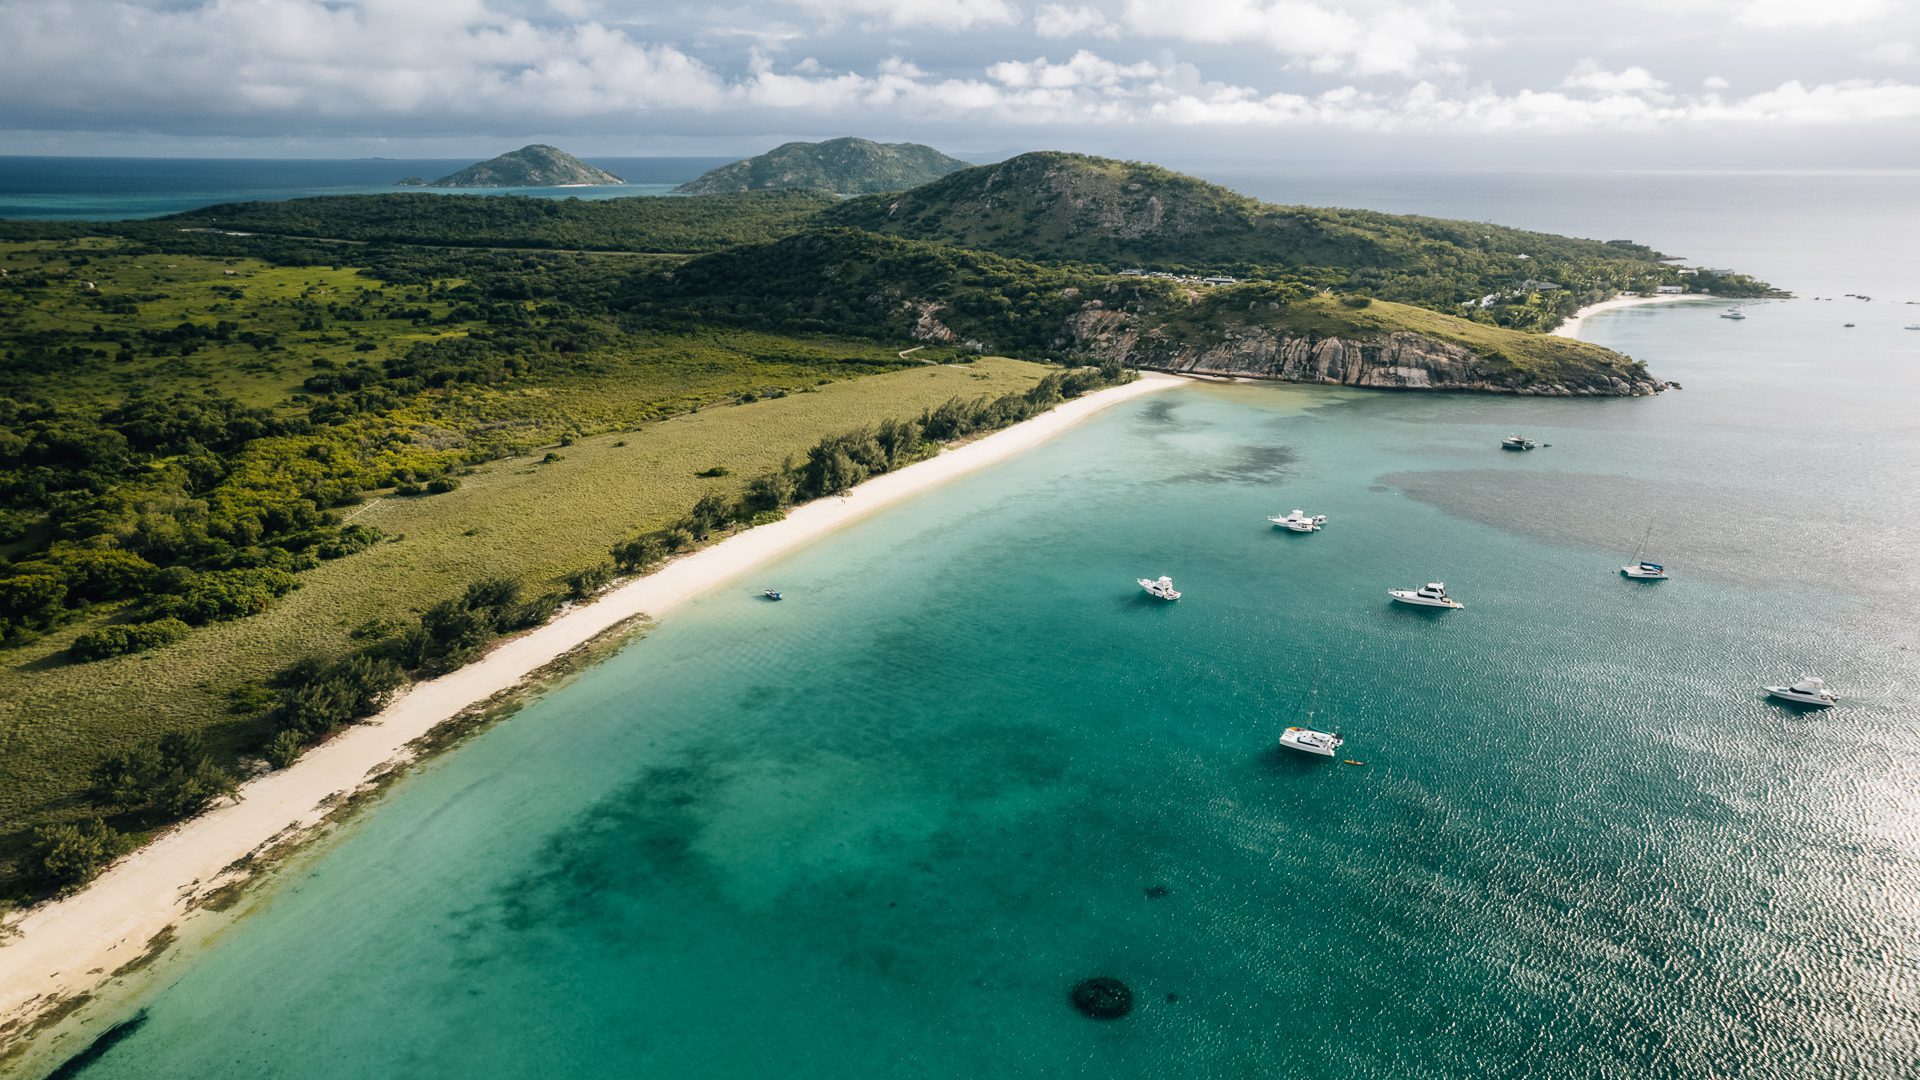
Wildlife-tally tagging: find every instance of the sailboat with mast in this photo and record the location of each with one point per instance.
(1309, 741)
(1640, 569)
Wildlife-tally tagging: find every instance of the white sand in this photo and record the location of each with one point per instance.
(69, 946)
(1571, 328)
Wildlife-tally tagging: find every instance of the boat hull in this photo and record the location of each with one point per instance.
(1638, 574)
(1308, 741)
(1411, 600)
(1782, 693)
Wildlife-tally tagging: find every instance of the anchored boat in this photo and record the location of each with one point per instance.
(1300, 522)
(1309, 741)
(1516, 442)
(1808, 691)
(1432, 594)
(1160, 589)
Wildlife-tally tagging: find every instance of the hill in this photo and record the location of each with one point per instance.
(529, 166)
(1055, 207)
(845, 166)
(852, 282)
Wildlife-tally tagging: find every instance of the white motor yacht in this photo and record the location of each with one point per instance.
(1300, 522)
(1808, 691)
(1516, 442)
(1161, 589)
(1432, 594)
(1732, 313)
(1308, 741)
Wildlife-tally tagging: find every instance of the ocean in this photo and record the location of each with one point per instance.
(882, 827)
(110, 189)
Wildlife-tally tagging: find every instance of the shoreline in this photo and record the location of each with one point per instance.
(58, 954)
(1571, 328)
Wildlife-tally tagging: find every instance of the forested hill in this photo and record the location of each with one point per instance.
(846, 166)
(1055, 207)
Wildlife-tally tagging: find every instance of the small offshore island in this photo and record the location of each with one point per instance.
(537, 165)
(221, 425)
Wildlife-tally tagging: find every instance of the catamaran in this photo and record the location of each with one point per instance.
(1516, 442)
(1161, 589)
(1309, 741)
(1300, 522)
(1808, 691)
(1640, 569)
(1432, 594)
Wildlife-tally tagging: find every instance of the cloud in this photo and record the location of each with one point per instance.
(1060, 21)
(1781, 14)
(1715, 82)
(1589, 75)
(1390, 39)
(1085, 69)
(305, 59)
(942, 14)
(1894, 52)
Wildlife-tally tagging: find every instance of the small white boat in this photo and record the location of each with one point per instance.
(1300, 522)
(1640, 569)
(1161, 589)
(1432, 594)
(1515, 442)
(1808, 691)
(1731, 313)
(1915, 326)
(1308, 741)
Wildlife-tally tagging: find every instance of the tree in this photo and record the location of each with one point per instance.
(72, 855)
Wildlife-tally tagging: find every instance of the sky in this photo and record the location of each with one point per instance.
(1678, 83)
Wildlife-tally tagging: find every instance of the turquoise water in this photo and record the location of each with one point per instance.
(880, 828)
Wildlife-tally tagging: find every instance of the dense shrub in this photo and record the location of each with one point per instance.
(69, 856)
(121, 640)
(582, 584)
(174, 777)
(219, 595)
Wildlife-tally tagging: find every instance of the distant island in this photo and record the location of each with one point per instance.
(410, 181)
(529, 166)
(844, 166)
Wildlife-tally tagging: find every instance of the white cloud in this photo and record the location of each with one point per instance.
(1715, 82)
(1384, 39)
(1059, 21)
(1084, 69)
(1589, 75)
(311, 60)
(1777, 14)
(1894, 52)
(941, 14)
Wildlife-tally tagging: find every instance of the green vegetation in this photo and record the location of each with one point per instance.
(518, 221)
(846, 166)
(530, 166)
(1055, 207)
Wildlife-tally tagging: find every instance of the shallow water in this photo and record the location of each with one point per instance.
(881, 827)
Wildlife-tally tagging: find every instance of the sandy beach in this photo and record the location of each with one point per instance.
(1571, 328)
(55, 952)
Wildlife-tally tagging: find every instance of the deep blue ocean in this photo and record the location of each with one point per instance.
(880, 828)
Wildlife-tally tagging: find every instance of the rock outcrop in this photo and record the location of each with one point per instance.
(1393, 360)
